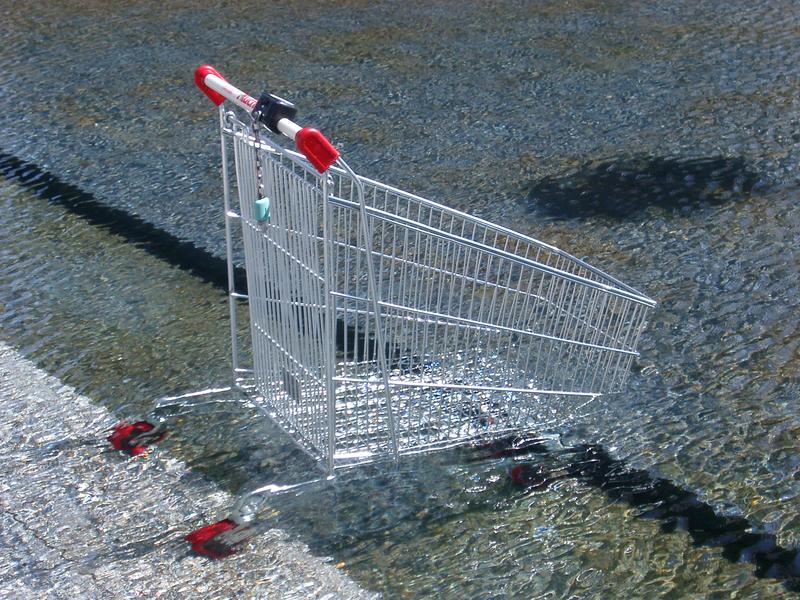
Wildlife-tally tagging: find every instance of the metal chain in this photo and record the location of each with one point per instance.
(261, 215)
(259, 172)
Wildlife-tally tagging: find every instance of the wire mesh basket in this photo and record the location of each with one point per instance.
(383, 323)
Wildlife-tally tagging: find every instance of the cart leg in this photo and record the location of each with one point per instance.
(226, 536)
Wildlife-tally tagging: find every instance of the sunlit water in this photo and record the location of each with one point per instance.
(661, 142)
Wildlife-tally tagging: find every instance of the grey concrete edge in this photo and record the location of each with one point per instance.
(79, 521)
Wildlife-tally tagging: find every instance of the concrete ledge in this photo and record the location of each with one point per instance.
(80, 521)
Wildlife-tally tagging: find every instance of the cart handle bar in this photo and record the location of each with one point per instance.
(310, 142)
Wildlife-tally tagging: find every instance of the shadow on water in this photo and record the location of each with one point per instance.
(157, 242)
(129, 227)
(655, 497)
(399, 503)
(624, 187)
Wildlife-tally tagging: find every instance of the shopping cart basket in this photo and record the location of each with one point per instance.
(385, 324)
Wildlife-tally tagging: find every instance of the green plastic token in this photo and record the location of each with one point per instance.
(262, 209)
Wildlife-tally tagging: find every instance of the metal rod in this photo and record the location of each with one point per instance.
(232, 292)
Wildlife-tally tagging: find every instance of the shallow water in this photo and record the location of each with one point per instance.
(661, 142)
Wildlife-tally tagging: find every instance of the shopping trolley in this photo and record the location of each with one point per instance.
(385, 324)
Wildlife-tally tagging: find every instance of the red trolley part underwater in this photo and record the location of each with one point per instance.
(134, 438)
(220, 539)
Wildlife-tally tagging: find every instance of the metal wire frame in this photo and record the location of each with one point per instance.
(383, 323)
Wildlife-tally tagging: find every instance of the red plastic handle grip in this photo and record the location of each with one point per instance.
(316, 148)
(200, 80)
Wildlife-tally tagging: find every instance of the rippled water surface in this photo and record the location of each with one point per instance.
(659, 140)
